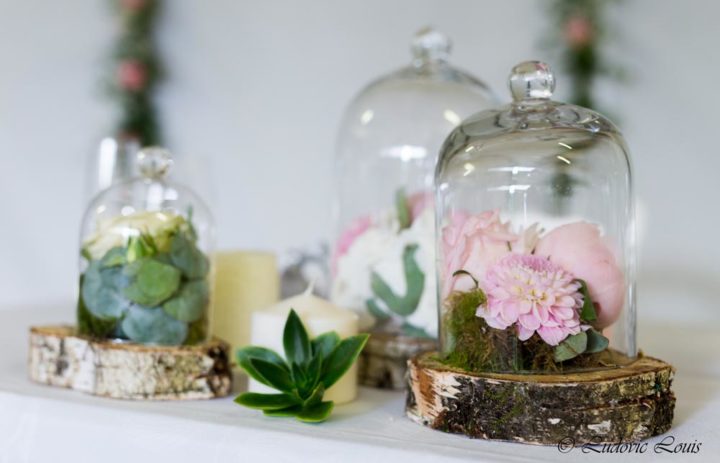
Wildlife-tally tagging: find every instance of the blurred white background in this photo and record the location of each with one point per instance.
(254, 94)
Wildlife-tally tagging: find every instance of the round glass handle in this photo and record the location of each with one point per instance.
(431, 45)
(531, 80)
(154, 162)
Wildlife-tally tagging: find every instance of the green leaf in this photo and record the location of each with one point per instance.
(153, 326)
(266, 401)
(188, 258)
(571, 347)
(316, 413)
(100, 290)
(91, 325)
(140, 247)
(376, 311)
(300, 379)
(341, 358)
(153, 282)
(114, 257)
(402, 207)
(288, 412)
(596, 342)
(245, 354)
(313, 373)
(316, 396)
(414, 282)
(295, 340)
(190, 302)
(587, 313)
(325, 343)
(274, 375)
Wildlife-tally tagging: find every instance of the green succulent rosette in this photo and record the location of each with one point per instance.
(146, 281)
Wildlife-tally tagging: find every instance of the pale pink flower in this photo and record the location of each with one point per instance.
(133, 5)
(535, 295)
(132, 75)
(579, 249)
(473, 243)
(418, 202)
(359, 226)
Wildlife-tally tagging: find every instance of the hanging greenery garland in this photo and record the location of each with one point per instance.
(136, 70)
(578, 31)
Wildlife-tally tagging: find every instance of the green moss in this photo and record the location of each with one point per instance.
(197, 332)
(475, 346)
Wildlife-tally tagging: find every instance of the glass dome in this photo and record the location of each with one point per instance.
(145, 267)
(383, 258)
(535, 236)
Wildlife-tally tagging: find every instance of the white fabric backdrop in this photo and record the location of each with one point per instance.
(254, 94)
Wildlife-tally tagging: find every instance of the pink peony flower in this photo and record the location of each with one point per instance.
(348, 237)
(419, 202)
(473, 243)
(534, 293)
(132, 75)
(579, 248)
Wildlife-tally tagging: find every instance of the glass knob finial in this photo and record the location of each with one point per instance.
(430, 44)
(531, 80)
(154, 162)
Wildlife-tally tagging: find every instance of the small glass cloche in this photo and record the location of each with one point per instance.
(536, 236)
(383, 257)
(145, 267)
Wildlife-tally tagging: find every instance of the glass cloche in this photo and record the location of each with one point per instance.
(383, 257)
(535, 236)
(145, 266)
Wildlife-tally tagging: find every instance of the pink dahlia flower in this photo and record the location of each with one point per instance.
(579, 248)
(536, 295)
(473, 243)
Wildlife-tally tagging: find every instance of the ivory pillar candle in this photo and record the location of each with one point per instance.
(319, 316)
(244, 281)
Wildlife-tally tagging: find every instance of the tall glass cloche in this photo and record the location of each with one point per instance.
(383, 257)
(536, 236)
(145, 267)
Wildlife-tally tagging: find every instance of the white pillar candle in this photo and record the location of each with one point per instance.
(244, 281)
(319, 316)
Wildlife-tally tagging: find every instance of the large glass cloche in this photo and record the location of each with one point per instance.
(536, 236)
(383, 257)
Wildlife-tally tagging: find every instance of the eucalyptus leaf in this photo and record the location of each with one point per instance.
(266, 401)
(101, 294)
(414, 284)
(295, 340)
(274, 375)
(153, 282)
(114, 257)
(245, 354)
(376, 311)
(325, 343)
(316, 413)
(190, 302)
(342, 358)
(596, 342)
(91, 325)
(587, 312)
(153, 326)
(188, 258)
(571, 347)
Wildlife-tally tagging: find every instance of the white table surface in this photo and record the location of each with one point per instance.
(44, 424)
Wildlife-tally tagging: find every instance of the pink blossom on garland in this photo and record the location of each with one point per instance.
(578, 31)
(132, 75)
(536, 295)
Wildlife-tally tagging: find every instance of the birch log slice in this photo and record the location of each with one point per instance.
(624, 404)
(384, 360)
(60, 357)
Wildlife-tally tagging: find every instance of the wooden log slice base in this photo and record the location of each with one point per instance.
(384, 360)
(624, 404)
(60, 357)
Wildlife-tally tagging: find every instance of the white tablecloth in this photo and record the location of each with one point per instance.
(44, 424)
